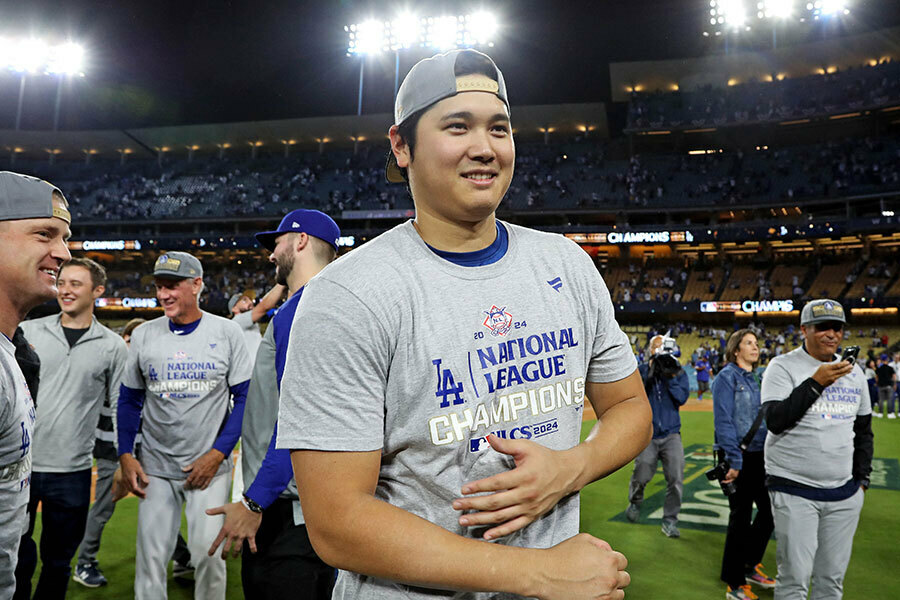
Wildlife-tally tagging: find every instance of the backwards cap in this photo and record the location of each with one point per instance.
(26, 197)
(433, 79)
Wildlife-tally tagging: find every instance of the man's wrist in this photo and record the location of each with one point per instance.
(250, 505)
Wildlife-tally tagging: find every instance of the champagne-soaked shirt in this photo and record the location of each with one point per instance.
(394, 348)
(186, 381)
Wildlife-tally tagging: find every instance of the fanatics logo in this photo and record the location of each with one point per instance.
(498, 321)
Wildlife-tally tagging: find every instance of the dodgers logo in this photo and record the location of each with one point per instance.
(498, 321)
(180, 355)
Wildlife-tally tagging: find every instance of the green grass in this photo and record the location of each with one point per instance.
(660, 567)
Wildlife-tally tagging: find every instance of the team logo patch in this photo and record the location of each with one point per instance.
(828, 309)
(498, 321)
(180, 355)
(167, 264)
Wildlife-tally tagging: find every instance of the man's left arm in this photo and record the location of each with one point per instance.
(204, 468)
(679, 388)
(115, 372)
(542, 477)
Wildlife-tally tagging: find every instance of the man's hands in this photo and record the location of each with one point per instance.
(541, 478)
(203, 470)
(133, 476)
(240, 524)
(583, 567)
(731, 475)
(828, 373)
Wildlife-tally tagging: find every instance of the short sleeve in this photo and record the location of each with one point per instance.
(335, 375)
(611, 355)
(241, 367)
(777, 383)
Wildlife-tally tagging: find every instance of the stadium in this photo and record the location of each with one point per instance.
(719, 177)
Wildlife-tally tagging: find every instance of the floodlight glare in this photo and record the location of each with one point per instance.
(405, 31)
(443, 33)
(732, 12)
(481, 28)
(778, 9)
(27, 56)
(830, 7)
(368, 38)
(65, 59)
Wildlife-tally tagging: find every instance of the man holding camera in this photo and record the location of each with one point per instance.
(667, 389)
(818, 454)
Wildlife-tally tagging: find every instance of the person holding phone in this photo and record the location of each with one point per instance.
(818, 454)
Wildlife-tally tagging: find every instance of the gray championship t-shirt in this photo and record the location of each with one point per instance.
(250, 330)
(186, 379)
(818, 450)
(396, 349)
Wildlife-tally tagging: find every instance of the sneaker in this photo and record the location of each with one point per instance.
(743, 592)
(182, 573)
(758, 576)
(670, 529)
(632, 512)
(878, 415)
(89, 575)
(892, 416)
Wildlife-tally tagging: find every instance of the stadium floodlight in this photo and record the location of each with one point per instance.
(732, 13)
(367, 37)
(775, 9)
(65, 59)
(26, 56)
(480, 29)
(827, 8)
(405, 31)
(443, 33)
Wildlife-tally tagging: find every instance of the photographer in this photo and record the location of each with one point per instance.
(736, 405)
(818, 455)
(667, 389)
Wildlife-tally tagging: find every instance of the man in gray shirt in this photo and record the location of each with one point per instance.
(81, 368)
(34, 227)
(818, 455)
(435, 377)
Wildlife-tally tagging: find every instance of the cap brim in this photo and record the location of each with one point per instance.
(266, 239)
(392, 170)
(818, 320)
(171, 275)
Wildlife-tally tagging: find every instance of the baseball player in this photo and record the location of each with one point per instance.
(183, 370)
(435, 378)
(277, 559)
(81, 370)
(34, 227)
(818, 455)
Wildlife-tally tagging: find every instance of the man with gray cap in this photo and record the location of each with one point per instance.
(818, 455)
(34, 227)
(435, 378)
(184, 370)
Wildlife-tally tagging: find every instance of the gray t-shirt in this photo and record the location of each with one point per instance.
(396, 349)
(75, 383)
(818, 450)
(250, 329)
(186, 379)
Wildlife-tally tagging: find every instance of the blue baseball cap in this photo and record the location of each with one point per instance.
(310, 222)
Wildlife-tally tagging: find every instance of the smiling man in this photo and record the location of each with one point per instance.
(435, 378)
(818, 455)
(183, 371)
(34, 227)
(81, 370)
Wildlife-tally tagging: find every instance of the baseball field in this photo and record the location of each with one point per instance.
(687, 567)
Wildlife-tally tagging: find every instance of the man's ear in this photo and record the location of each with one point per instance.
(399, 147)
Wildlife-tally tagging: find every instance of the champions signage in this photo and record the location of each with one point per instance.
(749, 306)
(126, 303)
(105, 245)
(632, 237)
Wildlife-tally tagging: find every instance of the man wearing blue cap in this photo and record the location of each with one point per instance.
(433, 391)
(184, 371)
(34, 227)
(278, 560)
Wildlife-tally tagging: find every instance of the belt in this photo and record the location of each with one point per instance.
(17, 470)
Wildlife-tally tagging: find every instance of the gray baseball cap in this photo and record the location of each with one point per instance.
(433, 79)
(177, 265)
(821, 311)
(26, 197)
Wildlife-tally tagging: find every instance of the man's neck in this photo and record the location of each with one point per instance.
(819, 357)
(10, 316)
(81, 320)
(451, 236)
(188, 317)
(300, 275)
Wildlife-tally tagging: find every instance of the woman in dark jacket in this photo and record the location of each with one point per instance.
(736, 402)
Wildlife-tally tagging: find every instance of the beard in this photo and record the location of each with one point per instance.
(284, 264)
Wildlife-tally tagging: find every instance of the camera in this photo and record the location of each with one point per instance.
(718, 473)
(663, 361)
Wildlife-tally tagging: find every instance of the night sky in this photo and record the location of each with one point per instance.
(170, 62)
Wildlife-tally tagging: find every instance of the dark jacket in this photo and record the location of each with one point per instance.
(666, 395)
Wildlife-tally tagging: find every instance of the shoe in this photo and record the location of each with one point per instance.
(632, 512)
(670, 529)
(892, 416)
(758, 576)
(89, 575)
(743, 592)
(182, 573)
(878, 415)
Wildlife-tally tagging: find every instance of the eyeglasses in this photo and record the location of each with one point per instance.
(836, 326)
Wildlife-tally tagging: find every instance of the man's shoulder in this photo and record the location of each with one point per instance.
(33, 325)
(109, 335)
(218, 323)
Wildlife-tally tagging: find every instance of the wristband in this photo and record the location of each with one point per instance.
(250, 505)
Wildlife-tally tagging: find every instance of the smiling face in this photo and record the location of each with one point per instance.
(76, 290)
(823, 339)
(31, 254)
(178, 297)
(283, 256)
(464, 158)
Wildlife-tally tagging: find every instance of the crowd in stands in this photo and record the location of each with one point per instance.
(762, 101)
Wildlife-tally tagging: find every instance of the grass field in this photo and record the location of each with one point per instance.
(660, 567)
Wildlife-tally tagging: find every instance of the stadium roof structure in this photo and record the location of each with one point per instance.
(730, 69)
(304, 134)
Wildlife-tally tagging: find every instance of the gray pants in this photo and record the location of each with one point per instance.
(670, 451)
(100, 513)
(885, 398)
(814, 541)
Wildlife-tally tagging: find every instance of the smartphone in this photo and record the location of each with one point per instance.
(851, 353)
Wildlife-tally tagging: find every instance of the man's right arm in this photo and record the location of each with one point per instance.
(131, 403)
(268, 302)
(353, 530)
